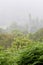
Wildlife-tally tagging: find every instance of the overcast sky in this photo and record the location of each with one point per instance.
(18, 10)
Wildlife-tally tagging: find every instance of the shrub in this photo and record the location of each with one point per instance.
(32, 56)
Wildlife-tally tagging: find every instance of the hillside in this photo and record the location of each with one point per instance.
(37, 36)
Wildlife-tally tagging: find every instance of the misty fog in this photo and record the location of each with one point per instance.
(18, 11)
(21, 32)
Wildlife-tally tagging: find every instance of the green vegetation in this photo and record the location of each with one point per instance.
(18, 48)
